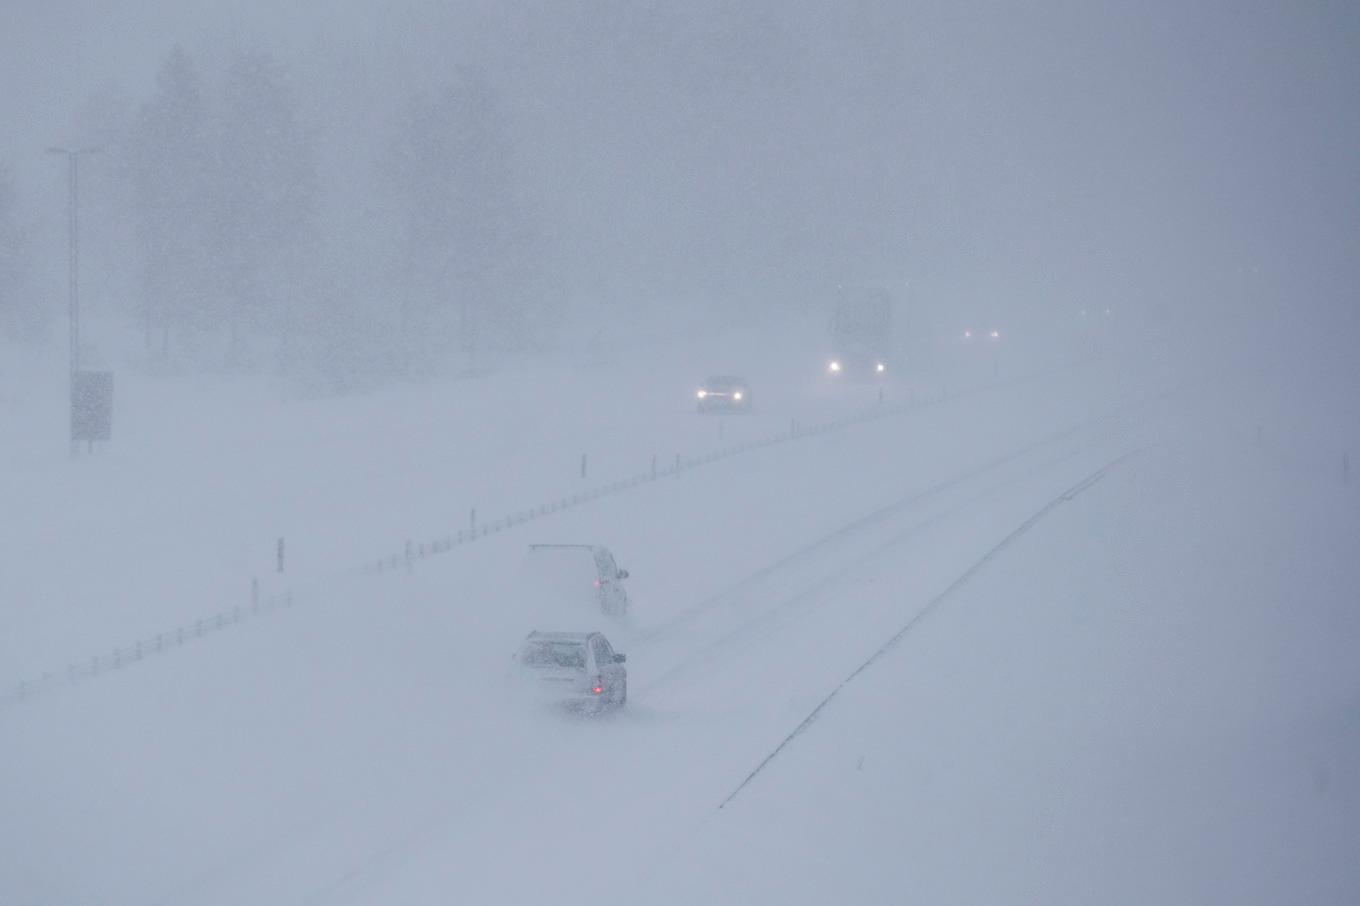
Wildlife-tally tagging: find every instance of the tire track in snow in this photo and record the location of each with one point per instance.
(810, 598)
(934, 604)
(881, 515)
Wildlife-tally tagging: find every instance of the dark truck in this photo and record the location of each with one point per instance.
(860, 335)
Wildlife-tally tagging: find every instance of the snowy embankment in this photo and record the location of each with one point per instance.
(1056, 729)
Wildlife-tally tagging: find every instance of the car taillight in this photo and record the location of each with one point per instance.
(597, 583)
(598, 687)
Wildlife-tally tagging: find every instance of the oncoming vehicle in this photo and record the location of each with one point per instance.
(575, 670)
(860, 334)
(984, 344)
(724, 392)
(583, 572)
(970, 335)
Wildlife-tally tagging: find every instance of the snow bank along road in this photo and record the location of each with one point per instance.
(360, 748)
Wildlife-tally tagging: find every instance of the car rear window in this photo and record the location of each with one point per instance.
(568, 574)
(554, 654)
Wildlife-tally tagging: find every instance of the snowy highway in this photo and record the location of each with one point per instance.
(363, 747)
(465, 452)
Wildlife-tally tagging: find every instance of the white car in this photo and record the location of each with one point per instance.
(724, 393)
(575, 670)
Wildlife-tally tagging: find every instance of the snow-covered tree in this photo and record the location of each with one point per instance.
(263, 197)
(170, 170)
(462, 242)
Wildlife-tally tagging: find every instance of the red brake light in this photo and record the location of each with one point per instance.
(598, 687)
(597, 583)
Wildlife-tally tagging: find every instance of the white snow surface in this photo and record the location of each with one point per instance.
(1148, 695)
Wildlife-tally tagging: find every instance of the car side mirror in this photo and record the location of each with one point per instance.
(623, 574)
(620, 658)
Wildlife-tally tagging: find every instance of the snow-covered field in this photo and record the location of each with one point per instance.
(1147, 695)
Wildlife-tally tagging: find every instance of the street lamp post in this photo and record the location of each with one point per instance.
(73, 228)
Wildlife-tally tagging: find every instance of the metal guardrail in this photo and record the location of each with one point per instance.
(145, 648)
(414, 552)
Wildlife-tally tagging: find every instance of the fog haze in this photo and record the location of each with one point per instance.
(947, 409)
(751, 156)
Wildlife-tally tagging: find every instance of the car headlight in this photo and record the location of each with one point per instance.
(880, 368)
(736, 395)
(834, 367)
(996, 335)
(703, 393)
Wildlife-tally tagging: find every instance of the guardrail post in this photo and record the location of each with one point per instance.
(472, 521)
(653, 467)
(583, 465)
(279, 553)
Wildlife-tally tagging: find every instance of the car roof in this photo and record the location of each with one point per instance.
(724, 379)
(560, 636)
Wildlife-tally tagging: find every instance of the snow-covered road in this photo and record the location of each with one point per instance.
(361, 747)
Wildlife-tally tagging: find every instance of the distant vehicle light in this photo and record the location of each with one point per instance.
(1107, 311)
(968, 335)
(880, 368)
(703, 393)
(597, 583)
(597, 688)
(834, 367)
(996, 335)
(736, 395)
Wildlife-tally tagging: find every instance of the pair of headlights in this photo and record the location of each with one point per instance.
(736, 395)
(835, 367)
